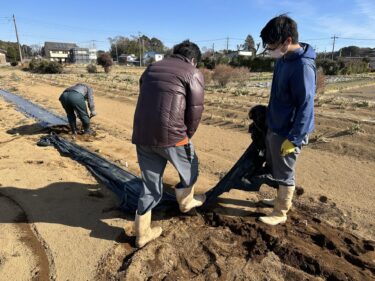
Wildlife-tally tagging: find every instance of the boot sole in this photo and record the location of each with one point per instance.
(272, 224)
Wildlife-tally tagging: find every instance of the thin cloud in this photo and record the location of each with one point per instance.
(367, 9)
(343, 27)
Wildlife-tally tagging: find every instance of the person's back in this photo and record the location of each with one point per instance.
(168, 112)
(167, 88)
(73, 102)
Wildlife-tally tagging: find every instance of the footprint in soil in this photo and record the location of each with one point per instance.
(299, 191)
(38, 162)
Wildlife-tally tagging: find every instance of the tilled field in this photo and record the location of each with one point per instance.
(212, 246)
(58, 223)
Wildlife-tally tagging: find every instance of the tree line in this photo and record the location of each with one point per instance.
(138, 45)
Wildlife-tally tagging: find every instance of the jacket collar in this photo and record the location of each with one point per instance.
(185, 59)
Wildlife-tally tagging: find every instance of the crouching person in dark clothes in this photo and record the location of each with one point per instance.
(169, 109)
(73, 100)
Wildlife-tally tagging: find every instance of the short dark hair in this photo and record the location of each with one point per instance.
(188, 49)
(278, 29)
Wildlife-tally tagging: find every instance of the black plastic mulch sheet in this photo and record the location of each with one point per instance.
(124, 184)
(31, 109)
(127, 186)
(249, 163)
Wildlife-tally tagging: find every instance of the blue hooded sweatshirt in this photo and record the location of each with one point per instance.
(290, 111)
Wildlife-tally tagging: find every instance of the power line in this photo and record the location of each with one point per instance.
(238, 39)
(359, 39)
(316, 39)
(210, 40)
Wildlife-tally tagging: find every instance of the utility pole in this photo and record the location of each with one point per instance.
(116, 51)
(113, 42)
(140, 49)
(333, 45)
(227, 44)
(143, 47)
(213, 50)
(18, 41)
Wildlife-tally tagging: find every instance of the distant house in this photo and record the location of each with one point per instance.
(240, 53)
(68, 53)
(92, 55)
(80, 55)
(3, 57)
(371, 60)
(55, 51)
(149, 57)
(128, 59)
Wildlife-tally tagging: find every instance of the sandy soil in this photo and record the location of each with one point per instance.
(61, 223)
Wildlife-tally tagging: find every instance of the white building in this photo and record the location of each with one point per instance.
(3, 59)
(92, 54)
(128, 59)
(239, 53)
(149, 57)
(56, 51)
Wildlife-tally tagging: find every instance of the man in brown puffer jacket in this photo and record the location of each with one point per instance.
(168, 112)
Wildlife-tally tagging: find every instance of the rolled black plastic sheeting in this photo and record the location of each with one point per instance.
(123, 183)
(250, 162)
(127, 186)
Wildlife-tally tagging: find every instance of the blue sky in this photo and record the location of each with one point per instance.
(206, 22)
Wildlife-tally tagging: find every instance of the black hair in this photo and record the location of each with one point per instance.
(278, 29)
(188, 49)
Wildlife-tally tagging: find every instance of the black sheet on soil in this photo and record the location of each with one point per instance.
(123, 183)
(127, 186)
(45, 117)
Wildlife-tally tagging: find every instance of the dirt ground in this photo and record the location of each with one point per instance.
(58, 223)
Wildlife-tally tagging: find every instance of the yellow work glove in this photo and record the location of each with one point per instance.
(287, 147)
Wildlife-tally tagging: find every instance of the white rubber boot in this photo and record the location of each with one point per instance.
(187, 200)
(269, 202)
(143, 231)
(282, 206)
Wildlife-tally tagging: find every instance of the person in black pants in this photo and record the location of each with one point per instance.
(73, 100)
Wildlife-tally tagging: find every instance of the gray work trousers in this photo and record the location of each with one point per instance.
(282, 167)
(152, 162)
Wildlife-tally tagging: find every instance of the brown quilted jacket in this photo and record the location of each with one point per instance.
(170, 103)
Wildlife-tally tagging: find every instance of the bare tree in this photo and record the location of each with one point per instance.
(36, 50)
(249, 44)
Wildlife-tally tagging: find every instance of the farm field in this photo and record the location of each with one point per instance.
(57, 222)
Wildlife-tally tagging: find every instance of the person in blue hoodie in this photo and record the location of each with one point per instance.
(290, 112)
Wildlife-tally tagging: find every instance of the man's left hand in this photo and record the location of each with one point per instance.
(287, 147)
